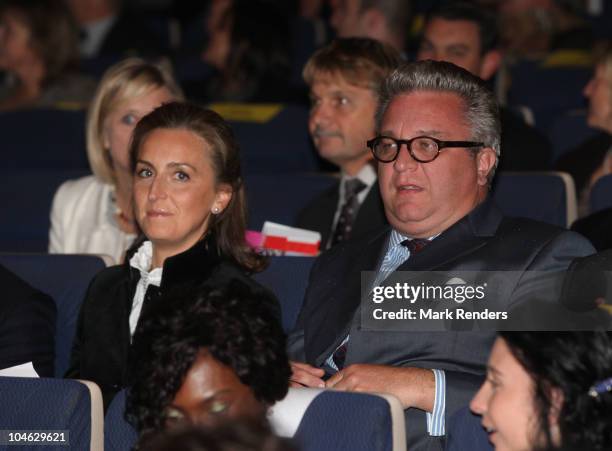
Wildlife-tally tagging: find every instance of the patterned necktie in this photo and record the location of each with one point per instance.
(348, 212)
(415, 245)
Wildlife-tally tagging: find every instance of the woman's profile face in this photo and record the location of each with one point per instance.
(15, 50)
(506, 402)
(212, 392)
(120, 123)
(175, 189)
(598, 91)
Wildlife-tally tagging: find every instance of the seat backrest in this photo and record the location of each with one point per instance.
(287, 277)
(274, 143)
(26, 208)
(600, 197)
(567, 131)
(544, 196)
(119, 435)
(65, 278)
(548, 89)
(68, 406)
(43, 139)
(327, 419)
(279, 198)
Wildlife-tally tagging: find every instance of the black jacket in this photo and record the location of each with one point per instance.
(101, 347)
(27, 325)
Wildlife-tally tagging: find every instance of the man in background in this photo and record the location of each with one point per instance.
(466, 35)
(344, 78)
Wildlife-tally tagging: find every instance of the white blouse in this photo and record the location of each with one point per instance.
(83, 220)
(141, 261)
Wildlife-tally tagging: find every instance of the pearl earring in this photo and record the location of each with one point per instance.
(215, 210)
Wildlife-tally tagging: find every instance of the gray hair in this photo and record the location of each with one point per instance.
(482, 110)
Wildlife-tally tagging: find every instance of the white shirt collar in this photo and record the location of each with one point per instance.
(141, 261)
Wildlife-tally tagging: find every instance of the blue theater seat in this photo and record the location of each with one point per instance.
(43, 139)
(567, 131)
(287, 277)
(273, 142)
(548, 89)
(119, 435)
(26, 208)
(65, 278)
(466, 433)
(70, 406)
(601, 194)
(317, 420)
(544, 196)
(280, 197)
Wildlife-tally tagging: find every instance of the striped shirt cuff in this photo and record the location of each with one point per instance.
(435, 419)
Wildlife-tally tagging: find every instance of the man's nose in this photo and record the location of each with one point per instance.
(320, 114)
(404, 160)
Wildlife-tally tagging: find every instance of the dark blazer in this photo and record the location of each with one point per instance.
(319, 214)
(482, 241)
(101, 347)
(27, 325)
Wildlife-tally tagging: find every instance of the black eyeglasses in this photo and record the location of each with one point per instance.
(422, 148)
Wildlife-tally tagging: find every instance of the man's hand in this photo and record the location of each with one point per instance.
(304, 375)
(414, 387)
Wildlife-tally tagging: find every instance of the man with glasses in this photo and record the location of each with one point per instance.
(344, 78)
(437, 145)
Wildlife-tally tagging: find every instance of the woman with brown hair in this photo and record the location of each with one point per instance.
(190, 205)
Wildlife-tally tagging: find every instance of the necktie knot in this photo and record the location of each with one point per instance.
(353, 187)
(415, 245)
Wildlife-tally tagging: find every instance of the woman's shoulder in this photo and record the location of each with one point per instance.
(108, 279)
(83, 190)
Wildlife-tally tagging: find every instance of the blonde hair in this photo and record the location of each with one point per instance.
(123, 81)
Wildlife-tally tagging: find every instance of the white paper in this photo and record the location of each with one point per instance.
(23, 370)
(291, 233)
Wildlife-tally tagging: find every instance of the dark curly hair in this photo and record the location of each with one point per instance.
(237, 326)
(571, 362)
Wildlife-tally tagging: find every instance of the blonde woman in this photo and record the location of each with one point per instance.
(94, 214)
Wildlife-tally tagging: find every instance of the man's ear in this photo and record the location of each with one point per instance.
(485, 162)
(490, 64)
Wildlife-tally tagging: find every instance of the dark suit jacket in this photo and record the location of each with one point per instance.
(319, 214)
(482, 241)
(27, 325)
(101, 347)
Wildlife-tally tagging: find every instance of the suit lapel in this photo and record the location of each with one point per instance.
(334, 316)
(371, 214)
(464, 237)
